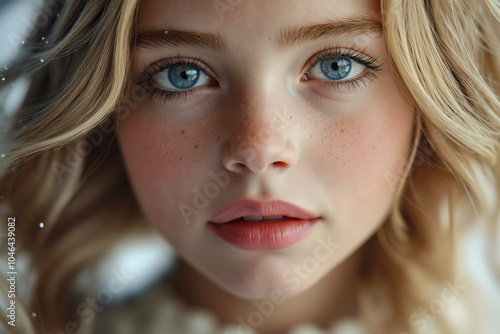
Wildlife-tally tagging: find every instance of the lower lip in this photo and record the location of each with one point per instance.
(271, 234)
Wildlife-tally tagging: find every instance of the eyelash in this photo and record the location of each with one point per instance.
(165, 95)
(359, 57)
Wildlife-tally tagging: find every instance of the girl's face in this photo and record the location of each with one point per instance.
(285, 99)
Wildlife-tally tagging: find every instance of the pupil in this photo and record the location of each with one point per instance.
(184, 75)
(335, 66)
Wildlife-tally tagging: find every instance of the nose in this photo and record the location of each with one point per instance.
(261, 139)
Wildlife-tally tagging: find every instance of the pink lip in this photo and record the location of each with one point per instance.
(267, 234)
(266, 208)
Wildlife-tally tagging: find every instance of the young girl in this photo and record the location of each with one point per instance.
(311, 162)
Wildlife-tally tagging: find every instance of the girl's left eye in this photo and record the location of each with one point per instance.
(180, 77)
(336, 69)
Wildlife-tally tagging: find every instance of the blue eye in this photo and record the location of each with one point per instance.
(336, 69)
(180, 77)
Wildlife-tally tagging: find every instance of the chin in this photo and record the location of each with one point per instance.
(265, 280)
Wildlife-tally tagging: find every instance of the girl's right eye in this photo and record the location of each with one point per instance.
(174, 79)
(180, 77)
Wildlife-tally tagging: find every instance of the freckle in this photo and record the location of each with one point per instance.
(344, 163)
(218, 138)
(358, 132)
(337, 158)
(291, 117)
(195, 146)
(180, 158)
(342, 130)
(182, 132)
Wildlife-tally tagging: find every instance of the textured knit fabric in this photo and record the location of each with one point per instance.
(159, 311)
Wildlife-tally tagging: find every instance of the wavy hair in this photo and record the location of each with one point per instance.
(62, 166)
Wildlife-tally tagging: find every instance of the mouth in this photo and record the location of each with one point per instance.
(252, 225)
(260, 218)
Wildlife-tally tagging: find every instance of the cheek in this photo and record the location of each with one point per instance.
(367, 157)
(380, 147)
(163, 162)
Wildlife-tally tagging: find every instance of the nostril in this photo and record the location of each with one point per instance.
(279, 164)
(238, 167)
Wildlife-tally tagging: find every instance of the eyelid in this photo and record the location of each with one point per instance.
(345, 85)
(164, 63)
(359, 56)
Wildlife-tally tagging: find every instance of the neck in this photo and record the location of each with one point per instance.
(310, 306)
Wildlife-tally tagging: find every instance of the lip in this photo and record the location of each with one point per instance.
(270, 207)
(268, 234)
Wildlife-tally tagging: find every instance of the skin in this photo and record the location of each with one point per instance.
(328, 150)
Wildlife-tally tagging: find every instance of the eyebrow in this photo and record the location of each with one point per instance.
(166, 37)
(354, 27)
(173, 38)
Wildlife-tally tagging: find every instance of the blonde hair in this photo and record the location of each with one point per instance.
(55, 170)
(447, 53)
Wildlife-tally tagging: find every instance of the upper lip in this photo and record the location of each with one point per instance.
(270, 207)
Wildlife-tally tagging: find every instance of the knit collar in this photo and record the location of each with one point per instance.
(174, 316)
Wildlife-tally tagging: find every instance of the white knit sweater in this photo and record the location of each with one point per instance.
(159, 311)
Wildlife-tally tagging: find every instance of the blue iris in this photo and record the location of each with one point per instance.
(336, 68)
(184, 76)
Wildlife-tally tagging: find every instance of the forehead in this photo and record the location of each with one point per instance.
(255, 17)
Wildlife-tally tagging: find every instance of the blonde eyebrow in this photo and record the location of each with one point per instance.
(355, 27)
(173, 38)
